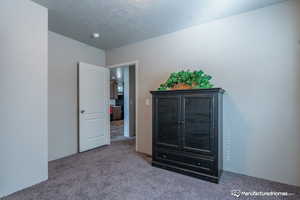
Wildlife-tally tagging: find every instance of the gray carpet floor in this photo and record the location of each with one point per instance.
(116, 172)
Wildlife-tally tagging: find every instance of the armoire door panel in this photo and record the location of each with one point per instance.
(198, 120)
(168, 116)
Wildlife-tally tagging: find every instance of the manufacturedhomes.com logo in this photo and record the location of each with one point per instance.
(239, 193)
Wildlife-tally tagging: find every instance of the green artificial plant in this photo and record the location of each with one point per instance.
(195, 79)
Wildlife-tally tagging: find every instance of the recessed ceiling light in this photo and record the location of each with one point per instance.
(95, 35)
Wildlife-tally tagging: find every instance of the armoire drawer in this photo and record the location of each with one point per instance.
(188, 162)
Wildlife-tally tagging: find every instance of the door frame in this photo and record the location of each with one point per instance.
(136, 63)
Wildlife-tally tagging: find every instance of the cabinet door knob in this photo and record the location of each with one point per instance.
(164, 156)
(198, 164)
(82, 111)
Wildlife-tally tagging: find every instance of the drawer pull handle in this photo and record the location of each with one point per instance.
(198, 164)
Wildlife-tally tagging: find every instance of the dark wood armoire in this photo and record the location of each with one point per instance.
(187, 132)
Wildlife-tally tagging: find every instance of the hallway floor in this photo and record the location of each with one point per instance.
(117, 130)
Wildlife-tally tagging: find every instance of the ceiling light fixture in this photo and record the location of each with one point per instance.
(95, 35)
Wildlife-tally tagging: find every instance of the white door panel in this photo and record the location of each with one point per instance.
(93, 106)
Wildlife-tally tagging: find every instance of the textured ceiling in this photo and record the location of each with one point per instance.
(122, 22)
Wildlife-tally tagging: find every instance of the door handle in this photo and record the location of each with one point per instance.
(164, 156)
(82, 111)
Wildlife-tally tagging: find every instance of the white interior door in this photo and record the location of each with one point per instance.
(93, 107)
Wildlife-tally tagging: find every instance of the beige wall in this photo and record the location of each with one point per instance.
(255, 58)
(23, 95)
(64, 54)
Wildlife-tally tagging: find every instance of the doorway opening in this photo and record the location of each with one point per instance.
(122, 102)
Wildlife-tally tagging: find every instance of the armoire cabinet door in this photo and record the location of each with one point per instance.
(167, 111)
(198, 132)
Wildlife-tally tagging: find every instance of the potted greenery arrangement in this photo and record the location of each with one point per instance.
(187, 80)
